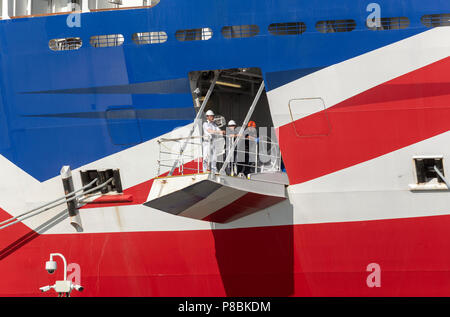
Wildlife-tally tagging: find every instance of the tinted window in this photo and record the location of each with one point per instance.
(109, 40)
(67, 44)
(240, 31)
(334, 26)
(390, 24)
(149, 38)
(435, 20)
(289, 28)
(202, 34)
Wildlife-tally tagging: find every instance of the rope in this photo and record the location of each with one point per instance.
(51, 207)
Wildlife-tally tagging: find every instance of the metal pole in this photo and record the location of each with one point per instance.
(64, 261)
(241, 131)
(442, 176)
(256, 157)
(197, 117)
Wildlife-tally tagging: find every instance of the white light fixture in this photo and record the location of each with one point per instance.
(224, 83)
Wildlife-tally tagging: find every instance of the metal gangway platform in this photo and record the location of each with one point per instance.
(215, 197)
(190, 190)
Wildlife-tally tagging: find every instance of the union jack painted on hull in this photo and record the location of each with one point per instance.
(381, 99)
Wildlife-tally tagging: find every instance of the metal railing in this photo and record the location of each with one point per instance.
(250, 155)
(175, 153)
(254, 156)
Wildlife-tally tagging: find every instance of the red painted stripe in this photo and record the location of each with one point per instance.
(138, 194)
(244, 206)
(107, 199)
(399, 113)
(293, 260)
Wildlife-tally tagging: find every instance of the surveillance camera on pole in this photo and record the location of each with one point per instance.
(63, 287)
(77, 287)
(50, 266)
(44, 289)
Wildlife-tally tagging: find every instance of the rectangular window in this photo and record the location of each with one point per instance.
(67, 44)
(149, 38)
(240, 31)
(436, 20)
(109, 40)
(202, 34)
(97, 5)
(290, 28)
(335, 26)
(391, 24)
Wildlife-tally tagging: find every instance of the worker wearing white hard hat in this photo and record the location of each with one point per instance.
(231, 137)
(211, 133)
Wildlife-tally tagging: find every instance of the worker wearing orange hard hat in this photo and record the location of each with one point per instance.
(251, 136)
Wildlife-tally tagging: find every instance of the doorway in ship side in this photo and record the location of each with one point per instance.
(238, 95)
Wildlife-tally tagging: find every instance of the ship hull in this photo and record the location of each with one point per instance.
(350, 226)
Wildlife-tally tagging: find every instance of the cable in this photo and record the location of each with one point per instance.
(65, 201)
(54, 201)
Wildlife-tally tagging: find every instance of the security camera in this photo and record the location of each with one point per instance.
(77, 287)
(50, 266)
(44, 289)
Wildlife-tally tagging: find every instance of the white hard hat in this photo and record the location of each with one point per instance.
(231, 122)
(209, 113)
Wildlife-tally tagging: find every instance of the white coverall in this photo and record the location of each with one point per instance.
(209, 145)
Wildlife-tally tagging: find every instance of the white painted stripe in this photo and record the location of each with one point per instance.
(20, 192)
(375, 189)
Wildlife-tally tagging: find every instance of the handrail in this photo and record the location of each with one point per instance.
(265, 156)
(124, 8)
(179, 139)
(79, 11)
(43, 14)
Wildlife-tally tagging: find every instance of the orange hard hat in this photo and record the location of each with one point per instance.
(252, 124)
